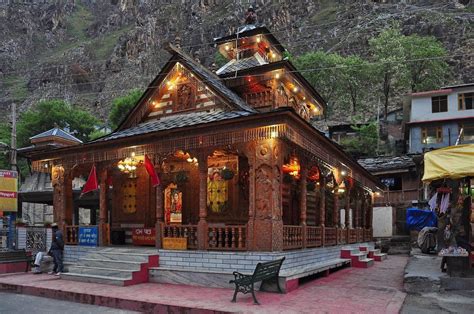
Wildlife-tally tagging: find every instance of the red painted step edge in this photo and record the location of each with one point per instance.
(141, 276)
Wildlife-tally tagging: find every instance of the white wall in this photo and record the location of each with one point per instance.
(421, 107)
(383, 221)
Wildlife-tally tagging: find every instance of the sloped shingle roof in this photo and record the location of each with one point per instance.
(176, 121)
(56, 132)
(380, 164)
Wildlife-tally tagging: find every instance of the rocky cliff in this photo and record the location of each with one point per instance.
(91, 51)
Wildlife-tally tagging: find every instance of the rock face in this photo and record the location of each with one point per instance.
(89, 51)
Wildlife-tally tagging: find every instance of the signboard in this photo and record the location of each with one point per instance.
(88, 236)
(144, 236)
(8, 190)
(175, 243)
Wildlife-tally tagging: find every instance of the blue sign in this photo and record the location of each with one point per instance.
(88, 236)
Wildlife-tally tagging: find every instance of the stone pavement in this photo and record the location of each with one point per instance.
(351, 290)
(431, 291)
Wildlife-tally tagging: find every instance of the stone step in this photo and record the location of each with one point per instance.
(107, 263)
(363, 263)
(348, 252)
(117, 281)
(100, 271)
(380, 257)
(128, 257)
(126, 250)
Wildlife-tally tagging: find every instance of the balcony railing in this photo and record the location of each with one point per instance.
(341, 236)
(227, 238)
(181, 231)
(360, 235)
(352, 235)
(314, 236)
(330, 236)
(398, 197)
(260, 99)
(292, 237)
(367, 234)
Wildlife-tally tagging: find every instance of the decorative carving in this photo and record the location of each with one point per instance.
(57, 175)
(264, 191)
(185, 97)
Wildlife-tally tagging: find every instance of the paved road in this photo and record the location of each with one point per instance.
(20, 303)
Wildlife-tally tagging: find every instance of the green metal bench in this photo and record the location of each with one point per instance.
(264, 272)
(16, 256)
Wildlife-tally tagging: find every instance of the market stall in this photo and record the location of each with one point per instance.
(448, 175)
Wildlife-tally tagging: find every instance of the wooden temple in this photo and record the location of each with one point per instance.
(239, 163)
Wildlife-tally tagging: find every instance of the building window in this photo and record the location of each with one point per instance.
(439, 104)
(431, 135)
(468, 132)
(393, 183)
(465, 101)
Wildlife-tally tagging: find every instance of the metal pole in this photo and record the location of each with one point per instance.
(13, 140)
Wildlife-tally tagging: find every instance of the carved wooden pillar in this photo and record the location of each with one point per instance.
(103, 237)
(347, 206)
(202, 224)
(268, 224)
(159, 213)
(357, 211)
(62, 196)
(250, 153)
(322, 214)
(335, 217)
(303, 194)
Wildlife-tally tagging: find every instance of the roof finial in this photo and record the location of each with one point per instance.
(250, 16)
(177, 42)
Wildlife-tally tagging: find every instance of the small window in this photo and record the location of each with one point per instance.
(465, 101)
(393, 183)
(468, 132)
(439, 104)
(431, 135)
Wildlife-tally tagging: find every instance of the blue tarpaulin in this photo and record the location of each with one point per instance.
(417, 219)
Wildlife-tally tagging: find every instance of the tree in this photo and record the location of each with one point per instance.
(429, 70)
(5, 136)
(364, 144)
(48, 114)
(323, 71)
(389, 56)
(121, 106)
(356, 80)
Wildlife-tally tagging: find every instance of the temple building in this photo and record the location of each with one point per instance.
(239, 164)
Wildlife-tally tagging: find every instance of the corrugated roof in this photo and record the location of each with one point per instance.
(56, 132)
(385, 163)
(176, 121)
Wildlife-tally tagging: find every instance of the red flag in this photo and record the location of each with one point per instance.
(91, 184)
(155, 180)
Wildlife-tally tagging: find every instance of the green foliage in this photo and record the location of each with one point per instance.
(96, 134)
(78, 22)
(121, 106)
(397, 66)
(48, 114)
(5, 136)
(322, 70)
(431, 72)
(364, 144)
(340, 80)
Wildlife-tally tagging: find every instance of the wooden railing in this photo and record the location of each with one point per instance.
(352, 235)
(71, 235)
(341, 236)
(368, 234)
(330, 236)
(260, 99)
(292, 237)
(181, 231)
(360, 234)
(314, 236)
(398, 197)
(227, 238)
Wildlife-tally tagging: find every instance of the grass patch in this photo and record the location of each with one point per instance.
(79, 21)
(104, 46)
(16, 87)
(326, 14)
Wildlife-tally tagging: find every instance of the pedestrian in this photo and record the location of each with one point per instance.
(449, 240)
(56, 250)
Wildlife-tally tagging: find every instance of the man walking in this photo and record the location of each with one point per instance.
(56, 251)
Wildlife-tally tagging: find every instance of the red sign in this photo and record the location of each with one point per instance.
(144, 236)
